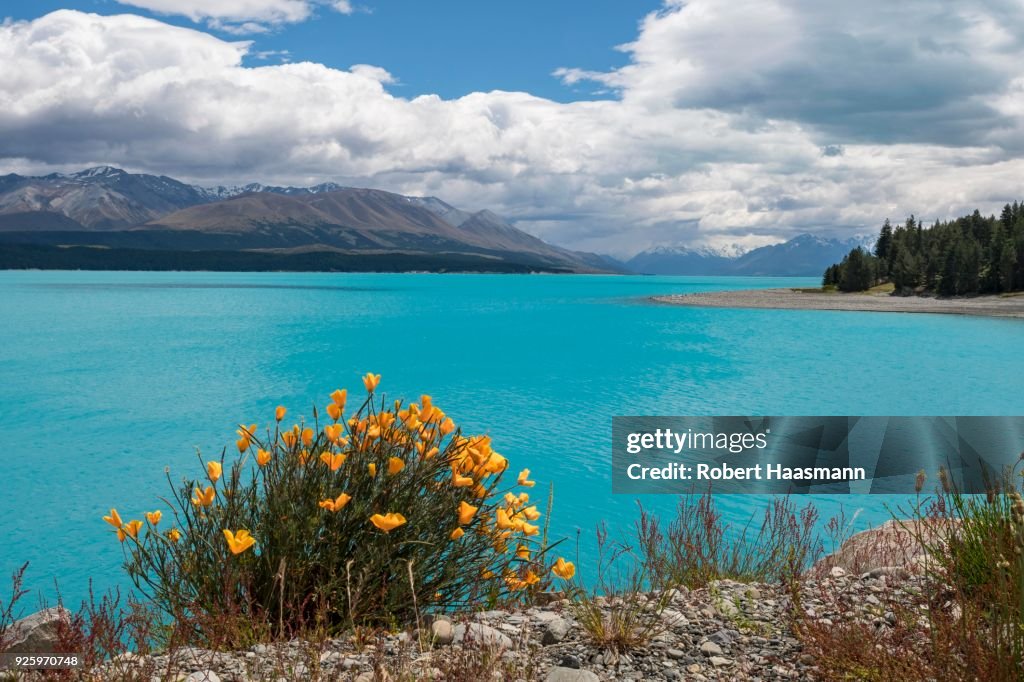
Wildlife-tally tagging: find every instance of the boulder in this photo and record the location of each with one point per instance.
(37, 634)
(478, 633)
(560, 674)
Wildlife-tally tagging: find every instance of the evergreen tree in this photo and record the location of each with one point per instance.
(969, 255)
(857, 271)
(884, 242)
(1007, 264)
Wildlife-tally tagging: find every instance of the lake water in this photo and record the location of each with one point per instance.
(107, 378)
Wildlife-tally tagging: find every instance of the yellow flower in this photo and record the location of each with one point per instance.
(303, 457)
(131, 529)
(240, 541)
(523, 552)
(395, 464)
(289, 438)
(262, 457)
(339, 397)
(529, 529)
(531, 513)
(334, 461)
(502, 520)
(280, 412)
(174, 535)
(334, 411)
(333, 433)
(564, 569)
(114, 519)
(371, 381)
(523, 479)
(336, 504)
(203, 498)
(517, 583)
(486, 574)
(154, 517)
(245, 435)
(457, 533)
(307, 436)
(387, 522)
(214, 470)
(372, 468)
(427, 413)
(466, 512)
(460, 481)
(447, 426)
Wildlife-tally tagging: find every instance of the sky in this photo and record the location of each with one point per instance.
(604, 125)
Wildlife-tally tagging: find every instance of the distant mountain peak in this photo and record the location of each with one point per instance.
(806, 254)
(726, 251)
(98, 172)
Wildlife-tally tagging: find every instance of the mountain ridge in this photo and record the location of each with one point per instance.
(802, 256)
(79, 206)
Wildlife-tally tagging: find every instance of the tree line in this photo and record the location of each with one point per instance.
(968, 255)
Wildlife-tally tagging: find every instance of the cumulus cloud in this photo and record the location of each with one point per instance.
(241, 16)
(676, 158)
(870, 71)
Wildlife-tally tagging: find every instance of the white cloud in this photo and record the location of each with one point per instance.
(690, 166)
(241, 16)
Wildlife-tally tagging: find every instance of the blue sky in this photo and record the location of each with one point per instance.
(716, 124)
(449, 48)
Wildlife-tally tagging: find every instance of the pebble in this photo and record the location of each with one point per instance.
(696, 639)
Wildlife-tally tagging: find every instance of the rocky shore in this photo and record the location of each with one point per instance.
(725, 631)
(796, 299)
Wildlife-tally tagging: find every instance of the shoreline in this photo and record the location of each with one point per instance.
(793, 299)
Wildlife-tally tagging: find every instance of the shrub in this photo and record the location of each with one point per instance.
(976, 567)
(360, 519)
(698, 546)
(967, 623)
(619, 613)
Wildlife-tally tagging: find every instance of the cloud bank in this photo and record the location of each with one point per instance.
(745, 122)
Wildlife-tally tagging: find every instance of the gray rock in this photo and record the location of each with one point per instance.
(36, 633)
(555, 631)
(676, 654)
(571, 675)
(442, 632)
(203, 676)
(722, 638)
(479, 633)
(894, 571)
(726, 608)
(710, 649)
(720, 661)
(569, 661)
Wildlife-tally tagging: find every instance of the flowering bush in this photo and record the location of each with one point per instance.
(360, 518)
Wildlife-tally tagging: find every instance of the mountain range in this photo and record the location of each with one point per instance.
(124, 213)
(804, 255)
(105, 217)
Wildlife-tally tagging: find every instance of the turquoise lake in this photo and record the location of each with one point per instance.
(108, 378)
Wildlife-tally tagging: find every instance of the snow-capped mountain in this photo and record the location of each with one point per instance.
(221, 192)
(106, 206)
(804, 255)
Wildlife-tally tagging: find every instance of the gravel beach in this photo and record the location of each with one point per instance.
(794, 299)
